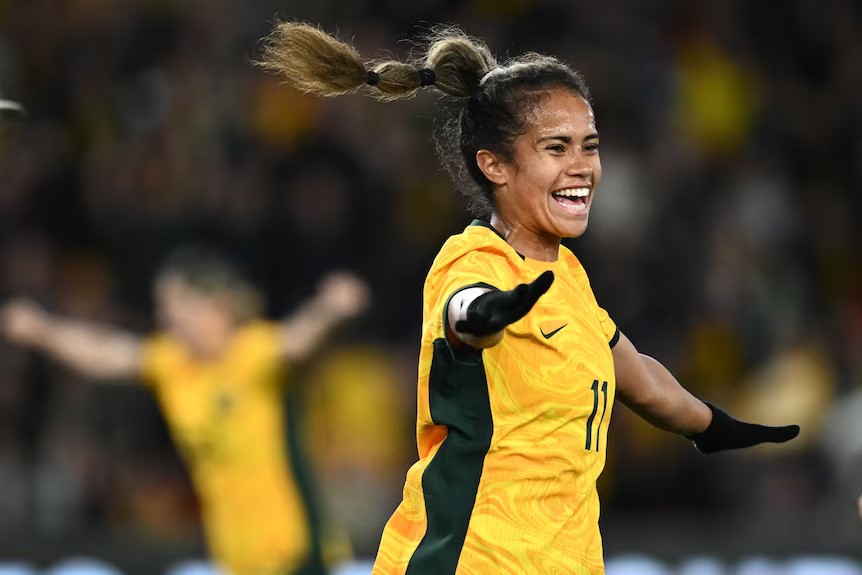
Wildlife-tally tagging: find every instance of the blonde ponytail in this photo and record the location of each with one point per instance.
(318, 63)
(312, 60)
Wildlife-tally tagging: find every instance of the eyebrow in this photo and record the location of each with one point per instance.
(568, 139)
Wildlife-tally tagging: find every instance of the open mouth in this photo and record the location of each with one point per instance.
(575, 201)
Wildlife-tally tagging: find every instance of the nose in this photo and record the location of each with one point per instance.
(580, 166)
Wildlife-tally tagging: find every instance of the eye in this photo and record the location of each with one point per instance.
(558, 148)
(591, 147)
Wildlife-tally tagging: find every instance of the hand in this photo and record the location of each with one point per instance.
(23, 322)
(725, 432)
(344, 294)
(491, 312)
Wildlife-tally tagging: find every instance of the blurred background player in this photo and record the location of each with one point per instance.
(218, 371)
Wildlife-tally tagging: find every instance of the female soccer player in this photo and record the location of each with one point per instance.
(519, 366)
(218, 372)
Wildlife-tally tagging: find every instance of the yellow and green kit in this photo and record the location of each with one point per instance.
(511, 439)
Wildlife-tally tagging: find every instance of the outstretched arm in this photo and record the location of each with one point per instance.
(651, 391)
(95, 351)
(476, 316)
(340, 297)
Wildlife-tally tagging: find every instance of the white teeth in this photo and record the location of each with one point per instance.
(577, 192)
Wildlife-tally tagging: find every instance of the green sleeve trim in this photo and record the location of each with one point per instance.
(614, 339)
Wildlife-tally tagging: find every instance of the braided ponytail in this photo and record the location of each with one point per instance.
(318, 63)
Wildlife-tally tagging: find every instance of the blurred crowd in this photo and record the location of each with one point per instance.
(724, 240)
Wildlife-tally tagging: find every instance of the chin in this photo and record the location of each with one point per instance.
(574, 229)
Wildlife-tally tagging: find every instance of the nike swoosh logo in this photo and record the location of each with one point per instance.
(550, 334)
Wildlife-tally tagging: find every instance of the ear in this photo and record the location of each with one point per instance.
(492, 166)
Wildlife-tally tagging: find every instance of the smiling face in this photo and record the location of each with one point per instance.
(545, 192)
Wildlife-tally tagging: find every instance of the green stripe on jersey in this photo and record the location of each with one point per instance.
(458, 397)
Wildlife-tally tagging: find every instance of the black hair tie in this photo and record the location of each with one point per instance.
(373, 78)
(427, 77)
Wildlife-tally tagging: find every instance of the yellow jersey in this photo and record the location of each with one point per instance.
(511, 439)
(227, 419)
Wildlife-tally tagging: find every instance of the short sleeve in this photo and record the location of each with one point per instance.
(609, 328)
(478, 268)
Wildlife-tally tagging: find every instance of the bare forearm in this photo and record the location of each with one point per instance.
(670, 406)
(308, 328)
(651, 391)
(94, 351)
(340, 297)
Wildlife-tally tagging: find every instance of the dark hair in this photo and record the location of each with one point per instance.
(207, 271)
(493, 100)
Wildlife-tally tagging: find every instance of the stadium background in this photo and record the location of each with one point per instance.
(724, 242)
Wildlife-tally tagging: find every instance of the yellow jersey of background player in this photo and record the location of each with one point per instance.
(226, 417)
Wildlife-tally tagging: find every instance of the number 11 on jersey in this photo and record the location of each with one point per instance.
(604, 390)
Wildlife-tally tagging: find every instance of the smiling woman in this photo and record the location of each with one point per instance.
(545, 191)
(519, 366)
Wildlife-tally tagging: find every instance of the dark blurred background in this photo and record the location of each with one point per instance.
(725, 241)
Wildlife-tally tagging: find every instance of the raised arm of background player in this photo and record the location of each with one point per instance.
(476, 317)
(109, 354)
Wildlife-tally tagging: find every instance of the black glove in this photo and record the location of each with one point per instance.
(494, 310)
(725, 432)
